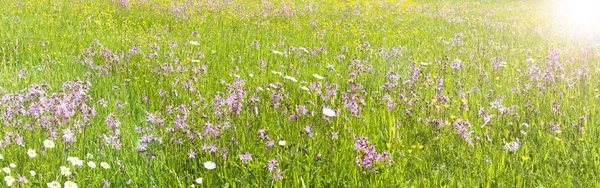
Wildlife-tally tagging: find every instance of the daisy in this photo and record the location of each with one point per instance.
(70, 184)
(199, 181)
(48, 144)
(281, 142)
(210, 165)
(290, 78)
(53, 184)
(32, 173)
(65, 171)
(318, 76)
(9, 180)
(12, 165)
(104, 165)
(329, 112)
(31, 153)
(6, 170)
(91, 164)
(194, 43)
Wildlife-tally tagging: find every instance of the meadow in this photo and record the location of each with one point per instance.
(238, 93)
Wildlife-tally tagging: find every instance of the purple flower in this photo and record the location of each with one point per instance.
(246, 157)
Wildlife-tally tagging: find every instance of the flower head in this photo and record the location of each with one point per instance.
(70, 184)
(53, 184)
(210, 165)
(48, 144)
(31, 153)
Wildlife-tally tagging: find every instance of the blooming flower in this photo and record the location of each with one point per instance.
(70, 184)
(9, 180)
(12, 165)
(91, 164)
(199, 181)
(318, 76)
(53, 184)
(6, 170)
(31, 153)
(194, 43)
(210, 165)
(329, 112)
(290, 78)
(281, 142)
(246, 157)
(104, 165)
(32, 173)
(65, 171)
(48, 144)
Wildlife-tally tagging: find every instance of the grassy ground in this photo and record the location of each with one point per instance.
(425, 93)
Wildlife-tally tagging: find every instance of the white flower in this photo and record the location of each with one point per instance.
(91, 164)
(65, 171)
(70, 184)
(48, 144)
(194, 43)
(277, 73)
(32, 173)
(6, 170)
(104, 165)
(251, 75)
(9, 180)
(329, 112)
(304, 88)
(277, 52)
(210, 165)
(199, 181)
(12, 165)
(318, 76)
(53, 184)
(290, 78)
(31, 153)
(281, 142)
(89, 156)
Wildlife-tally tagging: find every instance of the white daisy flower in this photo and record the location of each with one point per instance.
(53, 184)
(6, 170)
(210, 165)
(65, 171)
(48, 144)
(31, 153)
(91, 164)
(329, 112)
(104, 165)
(9, 180)
(70, 184)
(199, 181)
(281, 142)
(32, 173)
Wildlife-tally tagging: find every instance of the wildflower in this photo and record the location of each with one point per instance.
(91, 164)
(318, 76)
(210, 165)
(32, 173)
(246, 157)
(281, 142)
(199, 181)
(277, 52)
(53, 184)
(70, 184)
(9, 180)
(329, 112)
(290, 78)
(304, 88)
(48, 144)
(104, 165)
(194, 43)
(6, 170)
(12, 165)
(31, 153)
(65, 171)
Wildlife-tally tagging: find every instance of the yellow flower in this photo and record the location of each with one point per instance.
(389, 145)
(525, 157)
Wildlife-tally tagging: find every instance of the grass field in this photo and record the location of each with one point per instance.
(231, 93)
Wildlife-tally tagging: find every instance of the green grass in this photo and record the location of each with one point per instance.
(387, 37)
